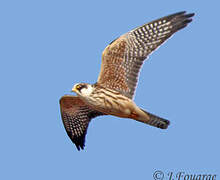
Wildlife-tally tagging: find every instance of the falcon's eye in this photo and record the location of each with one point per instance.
(80, 86)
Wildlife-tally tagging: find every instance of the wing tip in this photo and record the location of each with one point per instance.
(80, 147)
(180, 20)
(78, 141)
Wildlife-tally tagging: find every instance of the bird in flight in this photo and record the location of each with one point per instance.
(114, 90)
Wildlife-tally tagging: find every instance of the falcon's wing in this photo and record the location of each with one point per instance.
(76, 117)
(122, 59)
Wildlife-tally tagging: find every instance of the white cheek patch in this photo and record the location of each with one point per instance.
(86, 92)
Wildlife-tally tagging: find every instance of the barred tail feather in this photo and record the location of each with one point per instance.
(157, 121)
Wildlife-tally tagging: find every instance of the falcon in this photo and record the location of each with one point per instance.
(114, 90)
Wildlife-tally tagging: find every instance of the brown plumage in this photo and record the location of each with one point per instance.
(76, 117)
(123, 58)
(116, 84)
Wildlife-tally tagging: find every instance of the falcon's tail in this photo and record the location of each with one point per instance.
(157, 121)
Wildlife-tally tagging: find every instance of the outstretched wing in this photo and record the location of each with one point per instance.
(76, 117)
(122, 59)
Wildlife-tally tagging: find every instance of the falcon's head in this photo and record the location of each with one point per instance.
(83, 89)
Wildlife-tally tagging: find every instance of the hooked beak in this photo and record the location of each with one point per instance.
(74, 89)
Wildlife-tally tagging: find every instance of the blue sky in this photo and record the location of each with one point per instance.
(48, 46)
